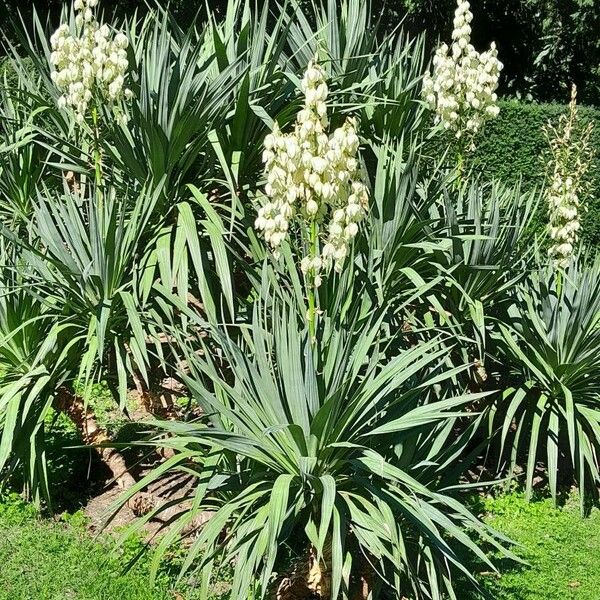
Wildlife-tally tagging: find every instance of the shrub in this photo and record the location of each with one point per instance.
(552, 345)
(314, 450)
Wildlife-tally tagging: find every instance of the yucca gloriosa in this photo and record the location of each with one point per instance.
(342, 448)
(551, 411)
(334, 449)
(94, 251)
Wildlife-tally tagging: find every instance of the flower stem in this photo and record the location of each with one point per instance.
(310, 284)
(460, 166)
(97, 155)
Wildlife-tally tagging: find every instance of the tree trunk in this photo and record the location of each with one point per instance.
(365, 582)
(93, 435)
(158, 404)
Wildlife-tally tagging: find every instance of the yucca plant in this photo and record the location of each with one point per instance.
(551, 412)
(373, 72)
(488, 249)
(93, 266)
(178, 99)
(317, 462)
(82, 256)
(40, 355)
(89, 273)
(328, 461)
(468, 248)
(177, 102)
(250, 42)
(98, 264)
(22, 162)
(104, 225)
(35, 360)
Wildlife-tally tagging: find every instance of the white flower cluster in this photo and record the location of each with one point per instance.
(462, 88)
(313, 177)
(563, 205)
(89, 61)
(570, 161)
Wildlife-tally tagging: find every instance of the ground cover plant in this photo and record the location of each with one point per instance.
(51, 560)
(324, 336)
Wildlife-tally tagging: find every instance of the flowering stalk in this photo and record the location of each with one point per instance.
(312, 283)
(462, 86)
(460, 164)
(88, 63)
(97, 155)
(313, 188)
(570, 161)
(89, 66)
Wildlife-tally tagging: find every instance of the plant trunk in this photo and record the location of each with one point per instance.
(158, 404)
(309, 579)
(94, 435)
(365, 583)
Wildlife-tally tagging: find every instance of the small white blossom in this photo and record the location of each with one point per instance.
(462, 87)
(314, 177)
(89, 61)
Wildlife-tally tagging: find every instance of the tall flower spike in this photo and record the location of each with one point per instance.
(313, 181)
(462, 86)
(92, 60)
(570, 161)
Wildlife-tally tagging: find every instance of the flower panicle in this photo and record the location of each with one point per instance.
(313, 178)
(569, 163)
(461, 88)
(92, 59)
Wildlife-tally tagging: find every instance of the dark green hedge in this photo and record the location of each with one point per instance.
(512, 147)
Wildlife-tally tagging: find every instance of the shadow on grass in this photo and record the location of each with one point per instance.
(75, 472)
(488, 579)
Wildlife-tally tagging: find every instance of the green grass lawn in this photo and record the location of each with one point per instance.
(44, 559)
(561, 548)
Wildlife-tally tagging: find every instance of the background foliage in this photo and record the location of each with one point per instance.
(544, 44)
(513, 146)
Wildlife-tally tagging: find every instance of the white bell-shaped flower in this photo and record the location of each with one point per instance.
(569, 163)
(89, 61)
